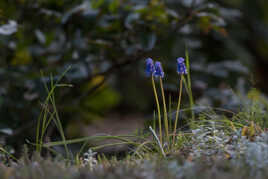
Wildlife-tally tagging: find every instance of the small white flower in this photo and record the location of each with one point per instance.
(89, 160)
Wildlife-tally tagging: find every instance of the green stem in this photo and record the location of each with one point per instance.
(169, 112)
(165, 108)
(177, 112)
(158, 110)
(189, 86)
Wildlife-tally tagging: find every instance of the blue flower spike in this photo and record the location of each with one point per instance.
(181, 68)
(158, 70)
(150, 69)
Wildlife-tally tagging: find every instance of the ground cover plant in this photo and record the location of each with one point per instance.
(209, 142)
(105, 42)
(133, 89)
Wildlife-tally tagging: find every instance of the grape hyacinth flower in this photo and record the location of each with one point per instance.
(160, 73)
(158, 70)
(150, 69)
(181, 68)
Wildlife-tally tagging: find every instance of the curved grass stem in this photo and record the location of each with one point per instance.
(158, 110)
(177, 113)
(165, 109)
(158, 142)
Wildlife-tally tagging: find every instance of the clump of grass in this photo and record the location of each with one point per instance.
(165, 144)
(217, 145)
(49, 114)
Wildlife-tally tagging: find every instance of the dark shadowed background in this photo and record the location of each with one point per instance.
(106, 43)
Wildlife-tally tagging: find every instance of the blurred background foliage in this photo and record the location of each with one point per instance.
(106, 42)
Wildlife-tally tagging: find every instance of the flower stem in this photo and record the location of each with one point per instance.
(158, 110)
(177, 112)
(165, 109)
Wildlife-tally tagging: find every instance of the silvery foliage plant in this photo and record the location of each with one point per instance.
(215, 143)
(208, 140)
(253, 153)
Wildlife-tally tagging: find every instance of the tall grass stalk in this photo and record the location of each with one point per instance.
(154, 122)
(188, 84)
(169, 112)
(165, 110)
(58, 122)
(177, 111)
(43, 120)
(158, 110)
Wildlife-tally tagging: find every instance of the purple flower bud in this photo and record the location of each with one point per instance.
(158, 70)
(181, 68)
(149, 67)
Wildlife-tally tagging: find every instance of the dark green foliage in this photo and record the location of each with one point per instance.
(104, 40)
